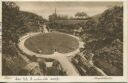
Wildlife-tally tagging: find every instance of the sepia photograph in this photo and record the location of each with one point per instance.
(62, 38)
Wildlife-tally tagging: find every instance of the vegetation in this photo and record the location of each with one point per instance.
(102, 34)
(15, 23)
(81, 15)
(107, 41)
(50, 42)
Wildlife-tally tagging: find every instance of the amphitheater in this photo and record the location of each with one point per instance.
(55, 45)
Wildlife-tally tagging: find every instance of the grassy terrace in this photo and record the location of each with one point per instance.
(47, 43)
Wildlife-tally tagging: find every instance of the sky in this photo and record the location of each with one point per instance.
(45, 9)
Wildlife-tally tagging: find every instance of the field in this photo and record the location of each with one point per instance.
(50, 42)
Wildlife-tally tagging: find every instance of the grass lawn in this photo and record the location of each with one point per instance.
(49, 42)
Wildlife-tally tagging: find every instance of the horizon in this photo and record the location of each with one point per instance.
(45, 9)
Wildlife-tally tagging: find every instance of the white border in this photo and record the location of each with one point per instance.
(80, 78)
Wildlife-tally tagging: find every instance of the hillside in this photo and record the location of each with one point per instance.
(107, 42)
(15, 23)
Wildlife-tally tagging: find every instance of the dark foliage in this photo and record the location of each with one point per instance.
(107, 41)
(15, 23)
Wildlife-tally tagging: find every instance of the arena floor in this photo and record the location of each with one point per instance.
(48, 43)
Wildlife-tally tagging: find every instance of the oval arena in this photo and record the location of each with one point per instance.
(55, 45)
(49, 43)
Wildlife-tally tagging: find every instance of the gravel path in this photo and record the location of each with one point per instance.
(62, 58)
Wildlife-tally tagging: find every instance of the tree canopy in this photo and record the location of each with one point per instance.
(81, 15)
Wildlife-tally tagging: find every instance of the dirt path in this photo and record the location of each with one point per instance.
(66, 64)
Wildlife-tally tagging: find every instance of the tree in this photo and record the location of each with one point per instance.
(81, 15)
(52, 17)
(111, 23)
